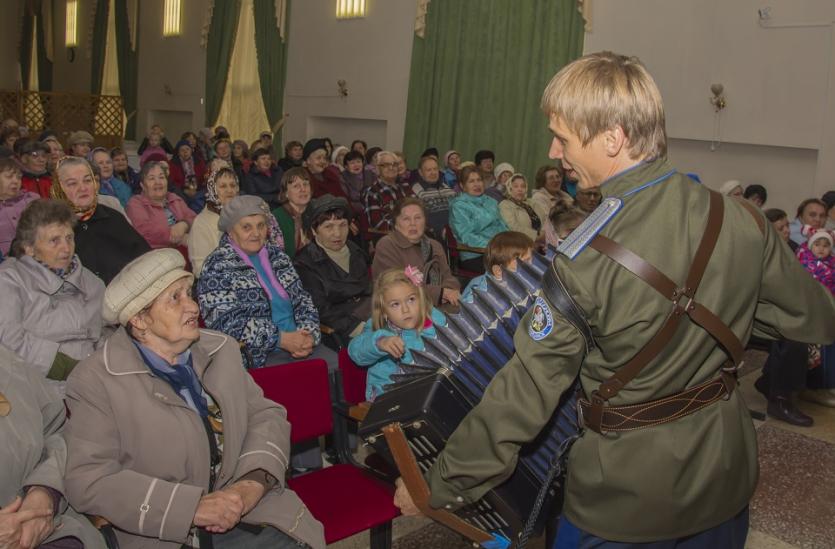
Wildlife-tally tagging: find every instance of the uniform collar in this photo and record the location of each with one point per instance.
(632, 178)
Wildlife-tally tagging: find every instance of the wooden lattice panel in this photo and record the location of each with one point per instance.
(101, 115)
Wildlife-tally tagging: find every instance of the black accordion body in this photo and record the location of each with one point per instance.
(448, 378)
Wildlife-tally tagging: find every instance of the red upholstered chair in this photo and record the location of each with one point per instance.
(454, 249)
(344, 497)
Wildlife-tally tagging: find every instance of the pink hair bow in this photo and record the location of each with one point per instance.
(414, 275)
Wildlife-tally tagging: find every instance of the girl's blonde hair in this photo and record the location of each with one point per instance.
(386, 280)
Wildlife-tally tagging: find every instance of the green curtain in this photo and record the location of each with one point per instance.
(44, 64)
(221, 41)
(25, 48)
(99, 46)
(478, 75)
(272, 58)
(128, 65)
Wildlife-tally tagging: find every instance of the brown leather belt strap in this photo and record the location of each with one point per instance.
(666, 287)
(664, 410)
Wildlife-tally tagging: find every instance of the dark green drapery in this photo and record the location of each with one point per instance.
(272, 58)
(44, 64)
(221, 41)
(128, 65)
(477, 77)
(99, 46)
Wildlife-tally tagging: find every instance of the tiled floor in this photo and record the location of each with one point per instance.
(794, 506)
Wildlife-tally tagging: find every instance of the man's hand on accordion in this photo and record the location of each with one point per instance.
(403, 500)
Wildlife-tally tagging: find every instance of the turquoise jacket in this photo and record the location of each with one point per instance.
(364, 352)
(474, 221)
(479, 282)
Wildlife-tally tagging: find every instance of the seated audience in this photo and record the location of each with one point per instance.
(185, 168)
(338, 158)
(34, 158)
(13, 200)
(732, 188)
(334, 270)
(408, 245)
(780, 221)
(51, 314)
(80, 143)
(124, 171)
(756, 194)
(104, 239)
(154, 152)
(562, 220)
(294, 197)
(9, 137)
(109, 184)
(34, 455)
(517, 209)
(56, 152)
(828, 200)
(474, 218)
(484, 162)
(379, 199)
(204, 235)
(811, 212)
(405, 176)
(240, 151)
(293, 152)
(160, 140)
(502, 174)
(355, 179)
(161, 217)
(401, 314)
(548, 183)
(322, 180)
(434, 193)
(360, 146)
(263, 179)
(588, 199)
(502, 253)
(171, 441)
(250, 290)
(223, 150)
(816, 257)
(452, 166)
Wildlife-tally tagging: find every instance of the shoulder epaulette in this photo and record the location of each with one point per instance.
(580, 237)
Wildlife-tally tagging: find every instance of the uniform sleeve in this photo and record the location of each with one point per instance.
(98, 483)
(792, 305)
(483, 451)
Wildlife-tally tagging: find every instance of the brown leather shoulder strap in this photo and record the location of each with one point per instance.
(666, 287)
(755, 213)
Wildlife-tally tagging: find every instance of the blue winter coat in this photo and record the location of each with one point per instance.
(474, 221)
(232, 300)
(364, 352)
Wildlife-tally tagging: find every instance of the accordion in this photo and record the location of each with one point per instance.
(430, 397)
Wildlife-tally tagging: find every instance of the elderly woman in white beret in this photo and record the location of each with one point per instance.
(33, 453)
(170, 440)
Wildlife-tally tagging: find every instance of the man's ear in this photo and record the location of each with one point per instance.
(614, 140)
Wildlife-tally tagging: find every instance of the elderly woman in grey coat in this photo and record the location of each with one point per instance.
(171, 440)
(51, 313)
(33, 453)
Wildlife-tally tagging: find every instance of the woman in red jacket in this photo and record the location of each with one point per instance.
(185, 166)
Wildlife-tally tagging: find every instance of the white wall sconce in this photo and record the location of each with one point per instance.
(172, 16)
(71, 27)
(719, 103)
(351, 9)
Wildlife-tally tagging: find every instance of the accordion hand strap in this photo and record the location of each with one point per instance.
(419, 490)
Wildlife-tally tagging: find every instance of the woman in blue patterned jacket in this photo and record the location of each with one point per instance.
(249, 289)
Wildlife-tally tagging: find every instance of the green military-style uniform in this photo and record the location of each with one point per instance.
(673, 479)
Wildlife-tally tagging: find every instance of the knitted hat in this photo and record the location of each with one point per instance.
(323, 204)
(448, 154)
(31, 146)
(729, 186)
(312, 146)
(180, 143)
(503, 167)
(240, 207)
(140, 282)
(79, 137)
(339, 150)
(482, 154)
(821, 233)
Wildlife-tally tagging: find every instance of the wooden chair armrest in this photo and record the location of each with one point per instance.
(359, 411)
(325, 329)
(465, 248)
(98, 521)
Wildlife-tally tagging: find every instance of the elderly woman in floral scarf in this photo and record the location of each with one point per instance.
(221, 187)
(104, 240)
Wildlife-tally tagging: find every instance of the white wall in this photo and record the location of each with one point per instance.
(775, 129)
(372, 55)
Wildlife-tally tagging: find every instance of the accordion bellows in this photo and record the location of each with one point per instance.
(431, 395)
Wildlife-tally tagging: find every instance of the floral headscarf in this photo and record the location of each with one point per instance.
(57, 192)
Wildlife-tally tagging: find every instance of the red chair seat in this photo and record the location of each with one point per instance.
(332, 494)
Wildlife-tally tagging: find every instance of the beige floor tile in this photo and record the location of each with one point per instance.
(761, 540)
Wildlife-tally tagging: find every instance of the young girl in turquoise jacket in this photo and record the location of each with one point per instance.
(401, 313)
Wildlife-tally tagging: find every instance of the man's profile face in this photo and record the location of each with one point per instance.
(588, 165)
